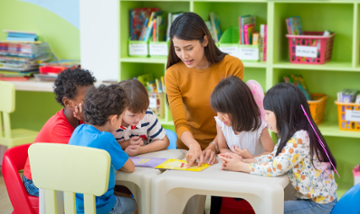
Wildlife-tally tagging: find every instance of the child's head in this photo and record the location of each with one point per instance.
(235, 105)
(70, 86)
(285, 116)
(138, 101)
(105, 104)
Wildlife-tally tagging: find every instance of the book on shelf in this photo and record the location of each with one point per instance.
(171, 18)
(25, 78)
(248, 31)
(245, 20)
(137, 19)
(265, 43)
(215, 26)
(20, 36)
(151, 24)
(294, 26)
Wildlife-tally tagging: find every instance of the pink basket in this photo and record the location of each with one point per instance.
(324, 45)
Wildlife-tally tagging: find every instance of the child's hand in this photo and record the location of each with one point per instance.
(133, 150)
(241, 152)
(78, 113)
(136, 140)
(231, 161)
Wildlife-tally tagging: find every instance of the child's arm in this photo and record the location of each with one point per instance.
(266, 142)
(154, 146)
(128, 166)
(136, 140)
(223, 147)
(233, 162)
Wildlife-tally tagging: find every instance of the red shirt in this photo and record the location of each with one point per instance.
(56, 130)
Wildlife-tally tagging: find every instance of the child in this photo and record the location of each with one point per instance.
(69, 88)
(240, 128)
(298, 153)
(140, 131)
(104, 109)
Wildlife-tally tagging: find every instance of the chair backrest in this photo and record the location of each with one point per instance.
(349, 202)
(7, 106)
(14, 160)
(72, 169)
(172, 138)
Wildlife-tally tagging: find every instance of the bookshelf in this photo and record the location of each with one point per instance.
(343, 71)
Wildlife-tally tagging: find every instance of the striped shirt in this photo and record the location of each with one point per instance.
(149, 129)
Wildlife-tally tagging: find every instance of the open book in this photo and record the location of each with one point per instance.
(181, 165)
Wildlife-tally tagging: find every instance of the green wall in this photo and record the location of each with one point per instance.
(33, 109)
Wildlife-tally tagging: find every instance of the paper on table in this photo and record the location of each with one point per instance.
(181, 165)
(147, 161)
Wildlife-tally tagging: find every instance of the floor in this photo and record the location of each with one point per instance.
(5, 204)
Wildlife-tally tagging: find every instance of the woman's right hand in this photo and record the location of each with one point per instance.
(193, 154)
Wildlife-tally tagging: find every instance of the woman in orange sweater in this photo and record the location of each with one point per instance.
(194, 67)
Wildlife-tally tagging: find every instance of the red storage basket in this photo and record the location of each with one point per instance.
(324, 45)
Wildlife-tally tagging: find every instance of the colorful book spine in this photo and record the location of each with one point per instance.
(288, 25)
(255, 38)
(240, 30)
(154, 31)
(265, 42)
(262, 32)
(248, 29)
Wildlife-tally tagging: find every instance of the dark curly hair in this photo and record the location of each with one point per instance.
(102, 102)
(68, 80)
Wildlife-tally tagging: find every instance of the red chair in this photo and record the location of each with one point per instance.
(14, 160)
(231, 206)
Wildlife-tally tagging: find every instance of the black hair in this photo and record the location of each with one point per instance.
(190, 26)
(285, 100)
(102, 102)
(137, 94)
(232, 96)
(69, 80)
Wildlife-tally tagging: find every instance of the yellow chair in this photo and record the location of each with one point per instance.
(72, 169)
(8, 137)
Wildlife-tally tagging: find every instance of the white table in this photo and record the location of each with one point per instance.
(139, 182)
(172, 189)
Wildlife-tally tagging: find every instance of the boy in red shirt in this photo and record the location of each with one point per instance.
(69, 88)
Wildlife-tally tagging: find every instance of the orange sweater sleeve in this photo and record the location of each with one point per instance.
(176, 103)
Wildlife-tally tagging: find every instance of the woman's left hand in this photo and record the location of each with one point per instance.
(210, 156)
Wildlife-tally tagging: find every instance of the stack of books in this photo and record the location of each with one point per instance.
(18, 60)
(50, 70)
(348, 96)
(20, 36)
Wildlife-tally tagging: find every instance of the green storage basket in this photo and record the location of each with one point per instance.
(159, 49)
(138, 48)
(230, 43)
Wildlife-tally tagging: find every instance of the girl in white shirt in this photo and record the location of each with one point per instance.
(240, 128)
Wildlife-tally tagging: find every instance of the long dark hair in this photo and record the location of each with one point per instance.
(285, 100)
(190, 26)
(232, 96)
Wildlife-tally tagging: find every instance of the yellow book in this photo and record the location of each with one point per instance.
(181, 165)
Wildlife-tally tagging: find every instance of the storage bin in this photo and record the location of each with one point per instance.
(229, 43)
(157, 104)
(138, 48)
(310, 48)
(159, 49)
(317, 107)
(348, 116)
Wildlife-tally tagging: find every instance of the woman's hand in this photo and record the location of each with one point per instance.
(233, 162)
(241, 152)
(193, 154)
(210, 155)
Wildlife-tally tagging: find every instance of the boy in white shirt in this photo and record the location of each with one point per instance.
(140, 131)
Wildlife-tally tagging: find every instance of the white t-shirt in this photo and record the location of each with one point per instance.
(245, 140)
(149, 129)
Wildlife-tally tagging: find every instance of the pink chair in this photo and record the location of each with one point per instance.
(14, 160)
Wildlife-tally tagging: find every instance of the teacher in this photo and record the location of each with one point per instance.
(194, 67)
